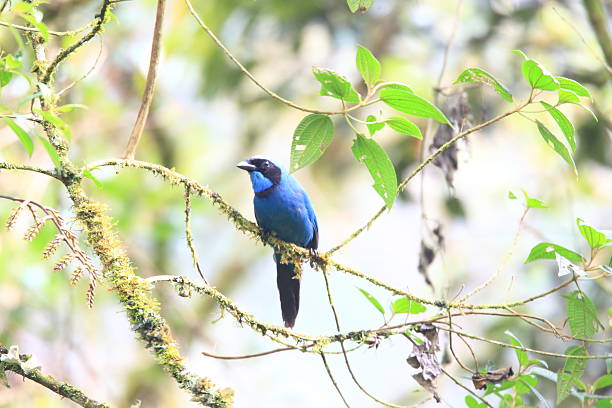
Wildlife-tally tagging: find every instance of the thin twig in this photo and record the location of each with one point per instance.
(93, 67)
(466, 388)
(189, 235)
(504, 261)
(147, 97)
(423, 164)
(265, 353)
(55, 33)
(331, 377)
(249, 75)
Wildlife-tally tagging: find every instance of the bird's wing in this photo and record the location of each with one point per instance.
(312, 217)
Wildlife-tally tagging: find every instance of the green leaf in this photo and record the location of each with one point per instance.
(525, 383)
(397, 86)
(574, 86)
(404, 126)
(556, 145)
(69, 107)
(40, 26)
(368, 66)
(567, 96)
(570, 373)
(537, 362)
(525, 380)
(511, 195)
(93, 178)
(50, 150)
(531, 202)
(480, 75)
(594, 237)
(56, 121)
(311, 137)
(411, 104)
(472, 403)
(374, 127)
(546, 250)
(379, 165)
(582, 315)
(405, 305)
(603, 382)
(361, 5)
(24, 137)
(538, 76)
(564, 124)
(373, 301)
(335, 85)
(521, 355)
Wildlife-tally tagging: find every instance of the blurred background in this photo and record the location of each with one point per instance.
(206, 116)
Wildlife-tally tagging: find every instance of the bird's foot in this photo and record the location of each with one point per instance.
(313, 253)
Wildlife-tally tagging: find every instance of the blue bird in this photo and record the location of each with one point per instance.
(283, 208)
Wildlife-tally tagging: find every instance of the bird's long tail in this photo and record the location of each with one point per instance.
(288, 289)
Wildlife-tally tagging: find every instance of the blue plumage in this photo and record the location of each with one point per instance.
(283, 208)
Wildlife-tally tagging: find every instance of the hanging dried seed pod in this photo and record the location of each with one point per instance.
(53, 245)
(63, 262)
(12, 219)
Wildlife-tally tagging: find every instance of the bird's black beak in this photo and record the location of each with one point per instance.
(245, 165)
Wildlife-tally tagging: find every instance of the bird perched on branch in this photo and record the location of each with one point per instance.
(283, 208)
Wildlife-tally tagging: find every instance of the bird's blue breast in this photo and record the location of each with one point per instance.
(286, 211)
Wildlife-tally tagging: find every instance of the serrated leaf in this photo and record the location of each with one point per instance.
(310, 140)
(546, 250)
(374, 127)
(538, 76)
(373, 301)
(603, 382)
(361, 5)
(557, 146)
(405, 305)
(404, 126)
(50, 150)
(480, 75)
(335, 85)
(582, 315)
(594, 237)
(368, 66)
(564, 124)
(368, 152)
(521, 355)
(567, 96)
(22, 135)
(412, 104)
(574, 86)
(57, 122)
(570, 373)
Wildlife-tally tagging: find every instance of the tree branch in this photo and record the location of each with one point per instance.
(18, 365)
(599, 23)
(147, 97)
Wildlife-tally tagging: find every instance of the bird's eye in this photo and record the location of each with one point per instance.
(265, 164)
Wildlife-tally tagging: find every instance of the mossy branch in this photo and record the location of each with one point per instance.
(18, 365)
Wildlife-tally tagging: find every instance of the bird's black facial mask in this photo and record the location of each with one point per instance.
(264, 174)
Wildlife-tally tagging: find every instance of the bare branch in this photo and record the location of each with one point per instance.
(147, 97)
